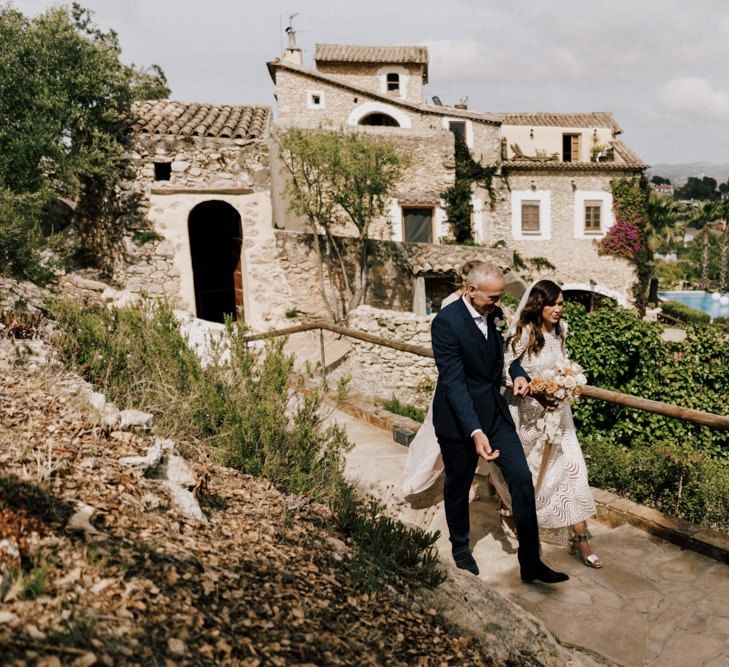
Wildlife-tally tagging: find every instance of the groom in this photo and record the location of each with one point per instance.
(471, 418)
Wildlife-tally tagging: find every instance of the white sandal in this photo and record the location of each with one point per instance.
(592, 560)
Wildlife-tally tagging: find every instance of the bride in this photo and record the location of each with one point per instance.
(536, 339)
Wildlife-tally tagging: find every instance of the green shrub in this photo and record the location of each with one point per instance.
(510, 301)
(397, 407)
(387, 548)
(247, 406)
(237, 404)
(21, 240)
(632, 449)
(677, 480)
(684, 313)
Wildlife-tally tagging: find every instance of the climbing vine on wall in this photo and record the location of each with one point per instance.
(458, 197)
(627, 237)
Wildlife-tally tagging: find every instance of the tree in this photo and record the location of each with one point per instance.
(703, 218)
(660, 180)
(340, 181)
(723, 212)
(663, 226)
(148, 83)
(698, 188)
(64, 97)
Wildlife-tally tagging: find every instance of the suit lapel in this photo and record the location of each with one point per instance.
(473, 330)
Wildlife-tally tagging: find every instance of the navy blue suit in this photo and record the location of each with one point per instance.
(467, 398)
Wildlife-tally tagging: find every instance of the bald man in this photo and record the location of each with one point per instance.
(472, 419)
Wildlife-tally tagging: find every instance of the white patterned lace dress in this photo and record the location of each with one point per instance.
(564, 498)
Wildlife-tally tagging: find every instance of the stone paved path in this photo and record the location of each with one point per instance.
(652, 604)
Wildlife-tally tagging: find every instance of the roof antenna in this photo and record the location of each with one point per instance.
(291, 32)
(292, 53)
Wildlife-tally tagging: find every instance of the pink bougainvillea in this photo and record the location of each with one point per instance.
(624, 239)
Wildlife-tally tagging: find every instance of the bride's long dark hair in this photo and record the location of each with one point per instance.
(543, 293)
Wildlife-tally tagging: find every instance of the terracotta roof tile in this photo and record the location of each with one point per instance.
(624, 159)
(341, 53)
(593, 119)
(628, 155)
(172, 117)
(431, 258)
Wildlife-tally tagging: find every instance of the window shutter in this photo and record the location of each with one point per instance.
(530, 217)
(575, 148)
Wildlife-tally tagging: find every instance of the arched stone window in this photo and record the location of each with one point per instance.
(380, 119)
(377, 113)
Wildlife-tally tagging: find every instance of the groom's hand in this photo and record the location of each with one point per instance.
(521, 386)
(483, 448)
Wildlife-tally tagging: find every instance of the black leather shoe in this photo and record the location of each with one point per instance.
(544, 574)
(465, 561)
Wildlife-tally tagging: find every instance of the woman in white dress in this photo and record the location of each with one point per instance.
(564, 501)
(424, 464)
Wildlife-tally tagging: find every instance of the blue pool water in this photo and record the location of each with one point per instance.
(700, 301)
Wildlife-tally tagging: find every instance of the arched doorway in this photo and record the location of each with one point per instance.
(589, 300)
(592, 296)
(379, 119)
(215, 248)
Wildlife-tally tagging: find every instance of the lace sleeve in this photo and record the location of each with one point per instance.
(514, 352)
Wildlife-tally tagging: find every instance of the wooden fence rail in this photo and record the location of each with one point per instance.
(616, 397)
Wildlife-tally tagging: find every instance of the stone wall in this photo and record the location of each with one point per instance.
(431, 171)
(202, 162)
(390, 279)
(575, 258)
(380, 372)
(367, 75)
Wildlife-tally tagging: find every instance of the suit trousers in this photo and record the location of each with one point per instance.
(460, 460)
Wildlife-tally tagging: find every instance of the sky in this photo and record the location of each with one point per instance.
(660, 66)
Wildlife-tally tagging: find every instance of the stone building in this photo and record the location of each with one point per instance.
(213, 188)
(204, 172)
(378, 90)
(551, 201)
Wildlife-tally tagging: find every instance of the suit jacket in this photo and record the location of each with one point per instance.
(470, 367)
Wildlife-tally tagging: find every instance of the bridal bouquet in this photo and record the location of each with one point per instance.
(559, 383)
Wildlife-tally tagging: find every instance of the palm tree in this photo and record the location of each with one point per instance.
(664, 225)
(704, 218)
(723, 210)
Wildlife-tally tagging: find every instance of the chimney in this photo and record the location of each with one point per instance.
(292, 54)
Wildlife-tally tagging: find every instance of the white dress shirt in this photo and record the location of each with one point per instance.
(482, 324)
(479, 319)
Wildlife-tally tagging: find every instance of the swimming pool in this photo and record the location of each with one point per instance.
(703, 301)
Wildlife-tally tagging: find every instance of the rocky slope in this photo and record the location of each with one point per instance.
(132, 579)
(115, 549)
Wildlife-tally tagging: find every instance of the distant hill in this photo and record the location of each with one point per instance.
(679, 173)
